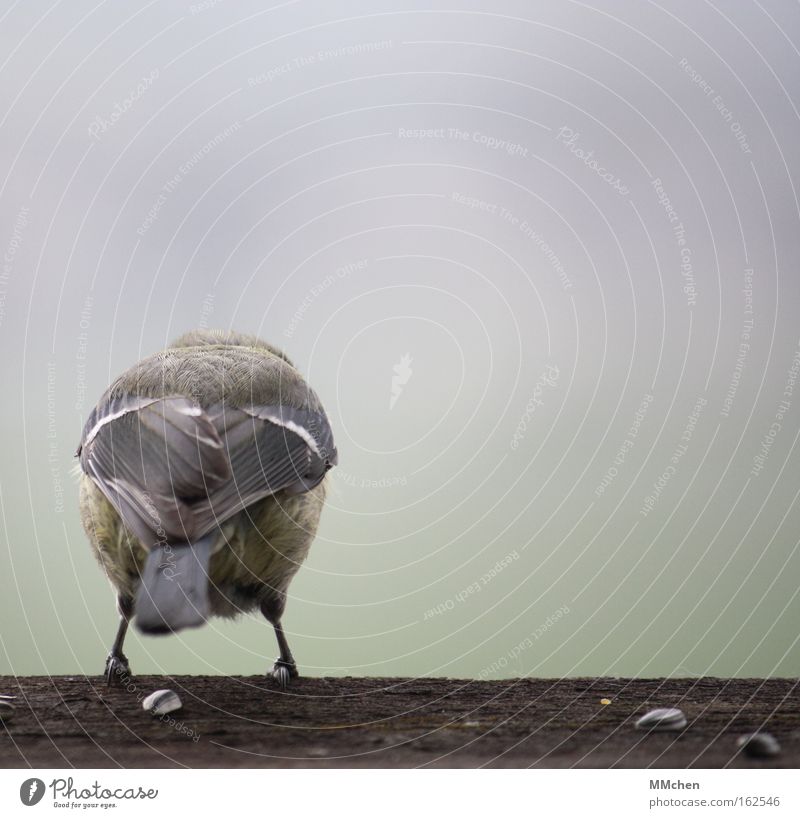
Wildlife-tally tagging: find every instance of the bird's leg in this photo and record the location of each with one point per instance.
(117, 663)
(284, 668)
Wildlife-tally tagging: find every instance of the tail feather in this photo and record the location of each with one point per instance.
(173, 593)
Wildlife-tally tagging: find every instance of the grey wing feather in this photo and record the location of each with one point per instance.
(271, 449)
(152, 459)
(196, 468)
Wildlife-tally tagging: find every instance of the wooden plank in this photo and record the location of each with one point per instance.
(374, 722)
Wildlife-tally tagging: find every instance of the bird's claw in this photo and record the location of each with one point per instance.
(282, 673)
(116, 667)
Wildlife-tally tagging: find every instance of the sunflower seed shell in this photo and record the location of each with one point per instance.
(162, 702)
(759, 745)
(662, 718)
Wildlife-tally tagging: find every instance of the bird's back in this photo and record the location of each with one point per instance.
(185, 439)
(210, 374)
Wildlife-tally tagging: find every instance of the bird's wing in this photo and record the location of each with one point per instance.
(271, 449)
(153, 458)
(175, 471)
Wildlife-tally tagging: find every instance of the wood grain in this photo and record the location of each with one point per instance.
(374, 722)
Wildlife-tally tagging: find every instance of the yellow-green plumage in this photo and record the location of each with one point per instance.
(261, 549)
(221, 436)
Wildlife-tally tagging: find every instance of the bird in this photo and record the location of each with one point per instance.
(202, 478)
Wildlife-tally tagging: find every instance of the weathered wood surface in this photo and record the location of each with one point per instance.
(371, 722)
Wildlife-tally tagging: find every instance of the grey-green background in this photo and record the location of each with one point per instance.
(471, 184)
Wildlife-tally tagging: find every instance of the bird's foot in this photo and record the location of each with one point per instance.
(117, 669)
(282, 673)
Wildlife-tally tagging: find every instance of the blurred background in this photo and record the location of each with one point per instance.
(539, 260)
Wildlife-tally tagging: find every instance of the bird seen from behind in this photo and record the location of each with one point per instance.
(201, 487)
